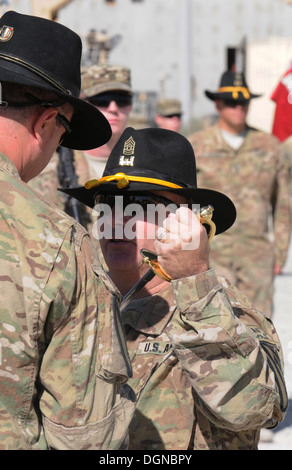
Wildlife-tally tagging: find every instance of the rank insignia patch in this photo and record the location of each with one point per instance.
(129, 148)
(6, 33)
(238, 80)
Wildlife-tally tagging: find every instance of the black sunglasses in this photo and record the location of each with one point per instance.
(66, 124)
(143, 200)
(104, 100)
(177, 115)
(233, 103)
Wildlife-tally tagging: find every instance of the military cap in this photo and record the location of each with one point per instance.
(151, 160)
(232, 86)
(101, 78)
(168, 107)
(45, 54)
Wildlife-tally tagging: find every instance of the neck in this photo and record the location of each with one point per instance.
(231, 128)
(125, 283)
(15, 145)
(105, 150)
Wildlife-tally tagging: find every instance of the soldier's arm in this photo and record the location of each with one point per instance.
(234, 366)
(281, 203)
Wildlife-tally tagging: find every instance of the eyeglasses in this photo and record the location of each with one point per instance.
(143, 200)
(229, 103)
(170, 116)
(104, 100)
(66, 124)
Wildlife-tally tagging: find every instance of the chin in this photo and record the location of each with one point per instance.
(119, 256)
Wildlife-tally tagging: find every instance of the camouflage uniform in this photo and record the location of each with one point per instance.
(256, 180)
(62, 358)
(207, 368)
(286, 154)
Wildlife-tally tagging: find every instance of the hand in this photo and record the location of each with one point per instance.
(184, 249)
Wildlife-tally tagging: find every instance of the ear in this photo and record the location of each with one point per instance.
(44, 124)
(218, 104)
(157, 119)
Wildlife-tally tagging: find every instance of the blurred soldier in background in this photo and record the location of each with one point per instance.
(245, 164)
(169, 114)
(108, 88)
(286, 154)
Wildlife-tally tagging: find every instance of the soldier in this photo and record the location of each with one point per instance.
(62, 360)
(207, 367)
(108, 87)
(169, 114)
(286, 154)
(244, 162)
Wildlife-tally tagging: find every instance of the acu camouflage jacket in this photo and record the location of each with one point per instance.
(63, 359)
(207, 368)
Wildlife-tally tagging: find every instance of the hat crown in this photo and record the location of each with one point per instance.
(98, 79)
(154, 153)
(169, 106)
(233, 79)
(40, 45)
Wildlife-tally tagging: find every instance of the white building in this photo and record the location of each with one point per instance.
(179, 48)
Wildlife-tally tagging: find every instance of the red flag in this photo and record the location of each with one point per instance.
(282, 95)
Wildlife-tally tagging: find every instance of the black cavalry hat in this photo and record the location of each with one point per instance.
(232, 86)
(45, 54)
(152, 160)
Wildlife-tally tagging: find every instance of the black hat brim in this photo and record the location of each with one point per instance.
(224, 214)
(225, 96)
(90, 129)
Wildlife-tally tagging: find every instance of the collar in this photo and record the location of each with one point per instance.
(7, 165)
(221, 143)
(102, 273)
(150, 315)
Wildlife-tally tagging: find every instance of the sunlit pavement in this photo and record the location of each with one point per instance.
(281, 437)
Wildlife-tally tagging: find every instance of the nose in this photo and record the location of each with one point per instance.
(113, 106)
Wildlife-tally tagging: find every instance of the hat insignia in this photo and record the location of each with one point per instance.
(238, 80)
(6, 33)
(129, 148)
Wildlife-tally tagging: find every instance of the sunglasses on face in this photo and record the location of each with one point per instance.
(233, 103)
(170, 116)
(143, 200)
(66, 124)
(104, 100)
